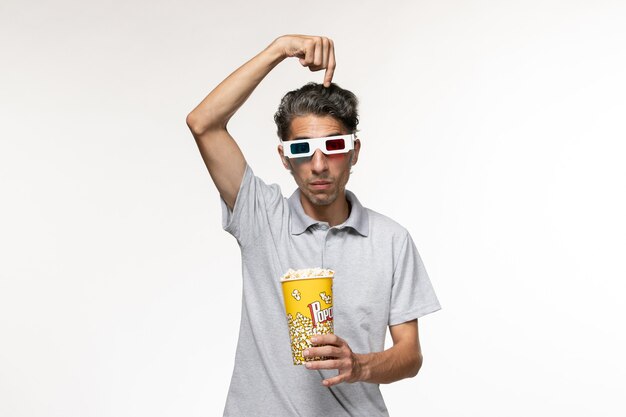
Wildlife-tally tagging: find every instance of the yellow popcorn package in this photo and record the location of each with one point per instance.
(309, 306)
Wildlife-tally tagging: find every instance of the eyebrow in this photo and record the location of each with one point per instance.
(309, 137)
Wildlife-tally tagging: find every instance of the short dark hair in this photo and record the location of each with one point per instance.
(314, 98)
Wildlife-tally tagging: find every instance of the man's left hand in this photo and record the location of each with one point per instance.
(342, 359)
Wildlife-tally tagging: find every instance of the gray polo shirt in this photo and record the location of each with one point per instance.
(379, 281)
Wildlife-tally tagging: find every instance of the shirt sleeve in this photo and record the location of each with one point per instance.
(257, 207)
(412, 294)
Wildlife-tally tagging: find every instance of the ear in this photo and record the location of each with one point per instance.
(357, 149)
(283, 158)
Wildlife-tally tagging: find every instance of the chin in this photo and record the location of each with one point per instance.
(321, 199)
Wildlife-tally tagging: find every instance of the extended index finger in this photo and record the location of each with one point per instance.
(332, 63)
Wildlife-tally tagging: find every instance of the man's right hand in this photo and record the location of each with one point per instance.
(220, 152)
(315, 52)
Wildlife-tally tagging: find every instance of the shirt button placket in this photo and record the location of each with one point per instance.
(328, 243)
(324, 231)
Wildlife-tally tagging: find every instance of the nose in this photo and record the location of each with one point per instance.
(319, 162)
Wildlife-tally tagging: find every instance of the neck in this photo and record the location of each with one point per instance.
(335, 213)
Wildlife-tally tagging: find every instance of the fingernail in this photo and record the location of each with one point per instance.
(314, 339)
(308, 364)
(306, 353)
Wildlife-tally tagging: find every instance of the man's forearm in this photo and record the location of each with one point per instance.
(393, 364)
(402, 360)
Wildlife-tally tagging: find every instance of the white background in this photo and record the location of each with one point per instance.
(492, 130)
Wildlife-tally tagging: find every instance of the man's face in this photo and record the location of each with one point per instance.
(321, 178)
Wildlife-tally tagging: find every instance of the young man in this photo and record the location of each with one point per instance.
(379, 280)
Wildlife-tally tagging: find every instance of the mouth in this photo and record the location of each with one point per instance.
(320, 185)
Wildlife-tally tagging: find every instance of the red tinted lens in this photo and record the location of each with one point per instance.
(335, 144)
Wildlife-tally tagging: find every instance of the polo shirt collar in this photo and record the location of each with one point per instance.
(300, 222)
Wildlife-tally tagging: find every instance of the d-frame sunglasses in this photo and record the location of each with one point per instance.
(329, 146)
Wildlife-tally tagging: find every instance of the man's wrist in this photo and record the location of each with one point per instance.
(276, 50)
(363, 361)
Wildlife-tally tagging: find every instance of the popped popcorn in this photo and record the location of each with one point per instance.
(307, 273)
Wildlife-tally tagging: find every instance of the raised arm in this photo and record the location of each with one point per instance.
(208, 121)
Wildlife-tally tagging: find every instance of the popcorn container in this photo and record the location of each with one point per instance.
(309, 308)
